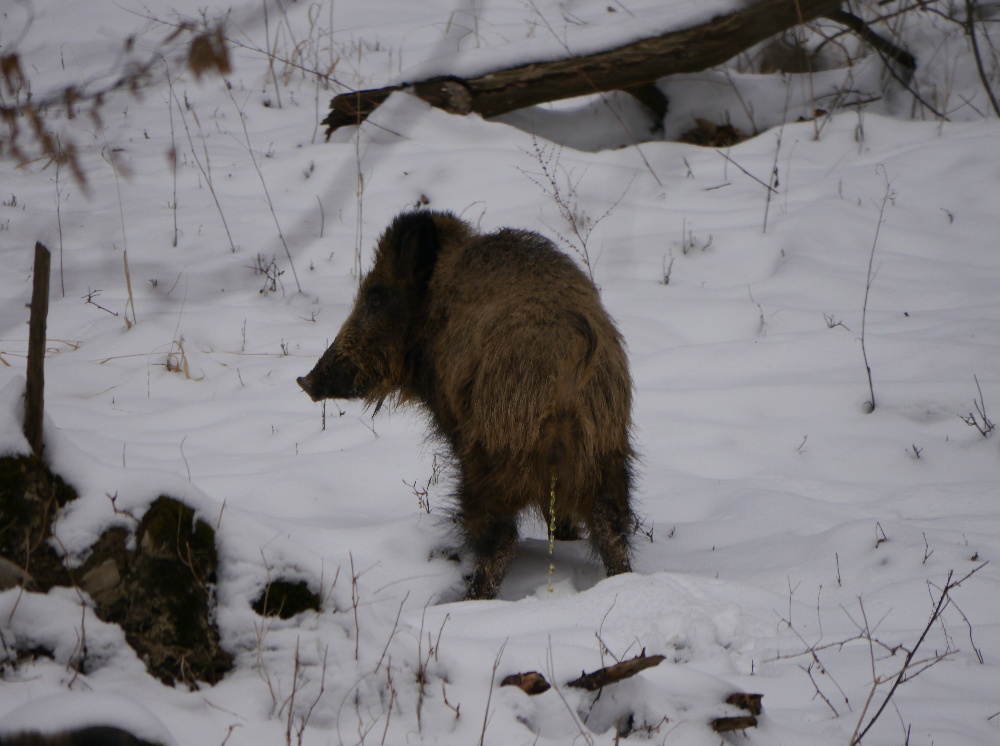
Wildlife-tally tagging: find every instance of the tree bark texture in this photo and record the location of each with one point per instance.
(630, 66)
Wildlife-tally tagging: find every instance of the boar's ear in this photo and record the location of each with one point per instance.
(416, 245)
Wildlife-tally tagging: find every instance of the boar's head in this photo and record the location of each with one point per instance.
(376, 355)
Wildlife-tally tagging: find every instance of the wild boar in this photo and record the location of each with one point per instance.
(506, 344)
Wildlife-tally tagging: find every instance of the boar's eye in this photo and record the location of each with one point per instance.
(376, 298)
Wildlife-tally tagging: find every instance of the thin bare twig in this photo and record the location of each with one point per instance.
(263, 183)
(489, 696)
(868, 285)
(206, 167)
(982, 423)
(759, 181)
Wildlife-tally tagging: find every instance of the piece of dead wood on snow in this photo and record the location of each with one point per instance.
(633, 67)
(610, 674)
(530, 682)
(749, 702)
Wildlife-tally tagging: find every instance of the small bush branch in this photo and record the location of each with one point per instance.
(89, 297)
(979, 418)
(911, 667)
(566, 199)
(268, 268)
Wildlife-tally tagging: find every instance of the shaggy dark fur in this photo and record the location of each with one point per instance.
(505, 342)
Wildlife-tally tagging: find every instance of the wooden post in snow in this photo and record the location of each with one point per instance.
(35, 389)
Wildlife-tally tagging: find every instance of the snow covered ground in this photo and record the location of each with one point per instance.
(783, 520)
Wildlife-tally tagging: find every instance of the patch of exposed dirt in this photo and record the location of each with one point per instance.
(162, 594)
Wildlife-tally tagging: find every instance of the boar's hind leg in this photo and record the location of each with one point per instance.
(493, 540)
(611, 522)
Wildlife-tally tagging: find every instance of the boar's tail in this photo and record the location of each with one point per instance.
(582, 325)
(565, 425)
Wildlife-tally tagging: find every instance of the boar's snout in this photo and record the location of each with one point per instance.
(333, 379)
(307, 386)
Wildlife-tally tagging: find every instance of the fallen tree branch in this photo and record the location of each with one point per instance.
(611, 674)
(872, 39)
(633, 65)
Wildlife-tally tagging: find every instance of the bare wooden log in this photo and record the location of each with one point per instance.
(35, 388)
(633, 65)
(610, 674)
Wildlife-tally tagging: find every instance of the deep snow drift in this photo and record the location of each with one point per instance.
(780, 516)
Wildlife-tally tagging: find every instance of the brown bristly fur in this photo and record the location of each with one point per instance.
(505, 342)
